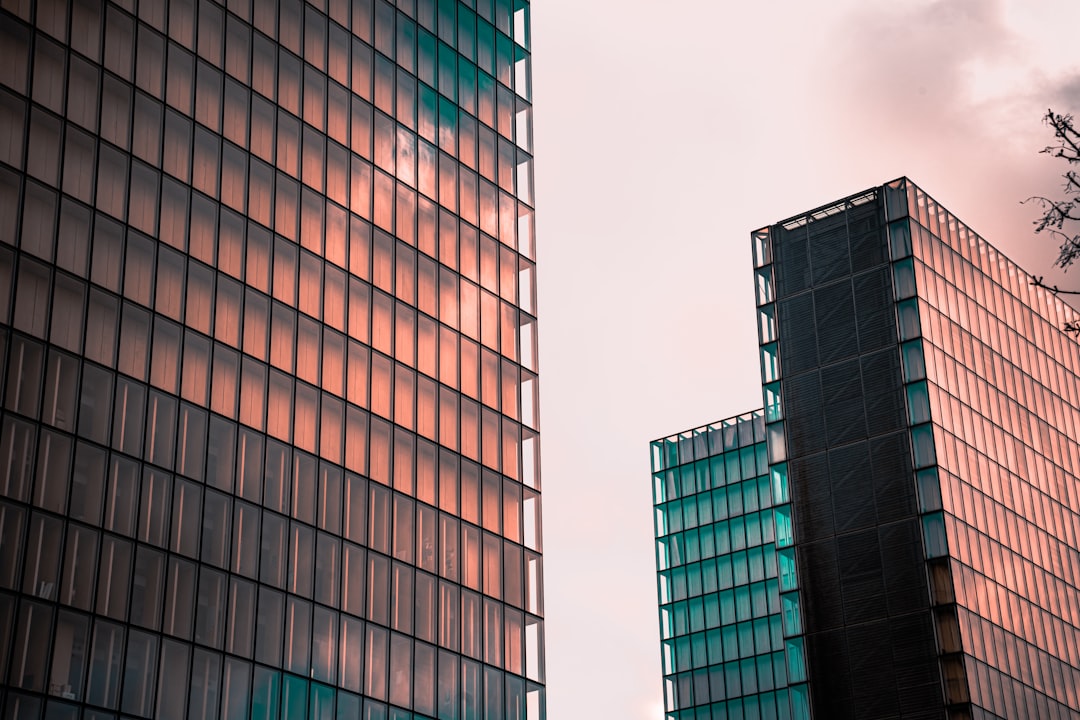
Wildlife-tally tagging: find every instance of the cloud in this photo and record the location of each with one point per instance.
(917, 66)
(1067, 95)
(934, 89)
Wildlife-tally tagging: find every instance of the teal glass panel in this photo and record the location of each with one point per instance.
(922, 443)
(935, 540)
(659, 494)
(696, 608)
(708, 544)
(667, 626)
(762, 248)
(737, 527)
(748, 461)
(778, 476)
(762, 453)
(784, 535)
(704, 509)
(904, 279)
(661, 521)
(755, 560)
(773, 408)
(656, 452)
(780, 671)
(322, 702)
(725, 579)
(690, 516)
(716, 471)
(907, 313)
(683, 655)
(687, 479)
(730, 642)
(790, 612)
(664, 587)
(914, 364)
(796, 662)
(759, 603)
(294, 700)
(742, 603)
(799, 698)
(740, 568)
(732, 468)
(918, 403)
(701, 471)
(672, 447)
(899, 239)
(767, 323)
(711, 606)
(663, 562)
(698, 652)
(719, 503)
(266, 689)
(715, 646)
(770, 363)
(674, 516)
(667, 650)
(753, 530)
(764, 285)
(786, 560)
(929, 489)
(709, 580)
(774, 437)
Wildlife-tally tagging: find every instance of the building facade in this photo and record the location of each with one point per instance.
(269, 429)
(920, 423)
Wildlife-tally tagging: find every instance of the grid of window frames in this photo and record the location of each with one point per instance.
(997, 383)
(720, 619)
(268, 361)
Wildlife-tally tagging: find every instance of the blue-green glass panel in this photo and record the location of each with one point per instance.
(701, 471)
(922, 444)
(796, 663)
(322, 702)
(266, 688)
(764, 285)
(786, 560)
(799, 697)
(770, 363)
(348, 706)
(779, 478)
(907, 313)
(672, 452)
(784, 535)
(934, 537)
(904, 279)
(699, 654)
(929, 489)
(899, 239)
(918, 403)
(791, 614)
(911, 354)
(294, 700)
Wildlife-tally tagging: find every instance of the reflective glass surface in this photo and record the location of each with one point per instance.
(268, 375)
(716, 521)
(1001, 392)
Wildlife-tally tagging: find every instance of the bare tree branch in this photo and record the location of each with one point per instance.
(1060, 218)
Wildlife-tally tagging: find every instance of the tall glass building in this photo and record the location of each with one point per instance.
(922, 405)
(268, 437)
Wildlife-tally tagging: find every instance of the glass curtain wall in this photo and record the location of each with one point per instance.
(717, 520)
(269, 426)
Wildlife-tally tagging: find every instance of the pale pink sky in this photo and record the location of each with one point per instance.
(664, 134)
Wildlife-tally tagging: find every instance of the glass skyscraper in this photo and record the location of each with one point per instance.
(268, 437)
(922, 404)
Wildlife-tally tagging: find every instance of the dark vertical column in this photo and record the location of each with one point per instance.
(870, 642)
